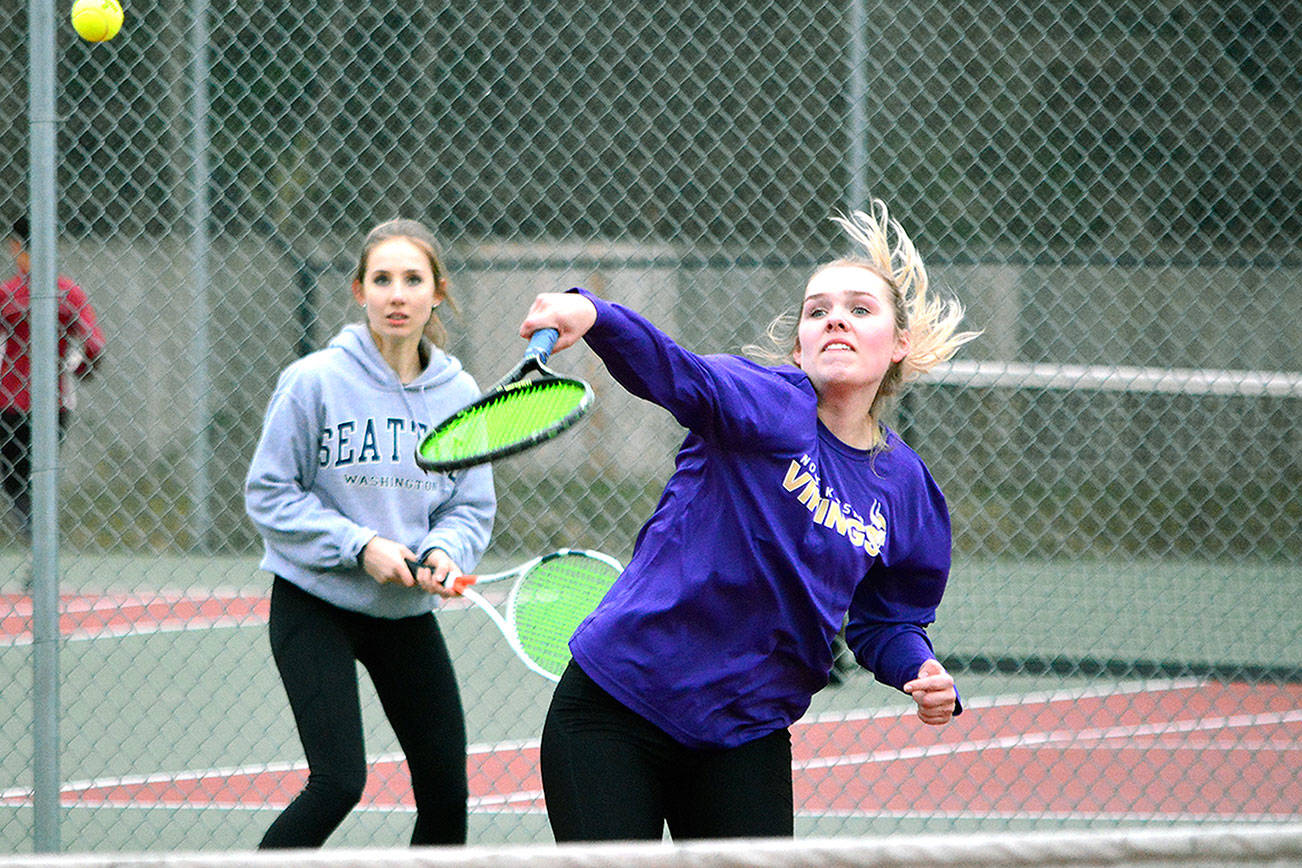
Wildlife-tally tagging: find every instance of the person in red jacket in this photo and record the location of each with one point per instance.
(81, 344)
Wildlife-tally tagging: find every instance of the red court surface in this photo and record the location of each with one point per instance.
(1157, 754)
(90, 617)
(1170, 750)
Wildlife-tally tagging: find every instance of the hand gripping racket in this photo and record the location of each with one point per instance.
(512, 416)
(552, 594)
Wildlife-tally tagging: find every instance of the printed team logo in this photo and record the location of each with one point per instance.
(354, 442)
(831, 513)
(375, 447)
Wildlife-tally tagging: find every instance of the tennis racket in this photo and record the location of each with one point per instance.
(551, 595)
(512, 416)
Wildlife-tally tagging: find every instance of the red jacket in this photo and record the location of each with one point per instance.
(77, 324)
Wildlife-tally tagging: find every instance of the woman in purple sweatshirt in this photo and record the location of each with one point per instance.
(791, 503)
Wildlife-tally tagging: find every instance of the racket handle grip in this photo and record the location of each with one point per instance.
(540, 344)
(460, 583)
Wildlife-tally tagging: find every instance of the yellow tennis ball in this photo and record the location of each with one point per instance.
(97, 20)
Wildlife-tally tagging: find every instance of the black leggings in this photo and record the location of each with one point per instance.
(315, 645)
(16, 462)
(609, 774)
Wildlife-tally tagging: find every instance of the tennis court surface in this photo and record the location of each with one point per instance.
(176, 729)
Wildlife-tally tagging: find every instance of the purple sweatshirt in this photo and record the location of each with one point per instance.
(720, 629)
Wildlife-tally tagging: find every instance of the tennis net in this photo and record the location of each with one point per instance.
(1170, 848)
(1120, 521)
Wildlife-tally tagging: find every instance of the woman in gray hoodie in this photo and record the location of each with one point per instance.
(336, 495)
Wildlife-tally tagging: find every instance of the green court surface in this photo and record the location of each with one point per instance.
(175, 732)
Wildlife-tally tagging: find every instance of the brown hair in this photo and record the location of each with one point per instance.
(420, 235)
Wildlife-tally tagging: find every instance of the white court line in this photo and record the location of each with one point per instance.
(1022, 740)
(485, 804)
(116, 603)
(525, 800)
(867, 814)
(1071, 738)
(172, 624)
(1061, 816)
(251, 770)
(182, 625)
(1012, 699)
(80, 604)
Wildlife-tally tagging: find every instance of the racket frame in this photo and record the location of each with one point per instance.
(534, 362)
(506, 623)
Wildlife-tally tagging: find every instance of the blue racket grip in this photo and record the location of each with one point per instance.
(540, 344)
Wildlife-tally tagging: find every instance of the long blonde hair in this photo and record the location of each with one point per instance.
(886, 250)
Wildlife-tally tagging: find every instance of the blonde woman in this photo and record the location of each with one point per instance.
(791, 504)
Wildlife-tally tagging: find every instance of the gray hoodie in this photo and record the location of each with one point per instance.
(335, 467)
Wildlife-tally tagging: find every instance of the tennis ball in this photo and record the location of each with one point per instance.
(97, 20)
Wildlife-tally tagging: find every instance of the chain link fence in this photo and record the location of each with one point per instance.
(1110, 188)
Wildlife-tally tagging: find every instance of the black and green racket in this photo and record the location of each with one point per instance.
(512, 416)
(550, 597)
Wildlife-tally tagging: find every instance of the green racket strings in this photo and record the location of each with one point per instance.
(519, 415)
(552, 600)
